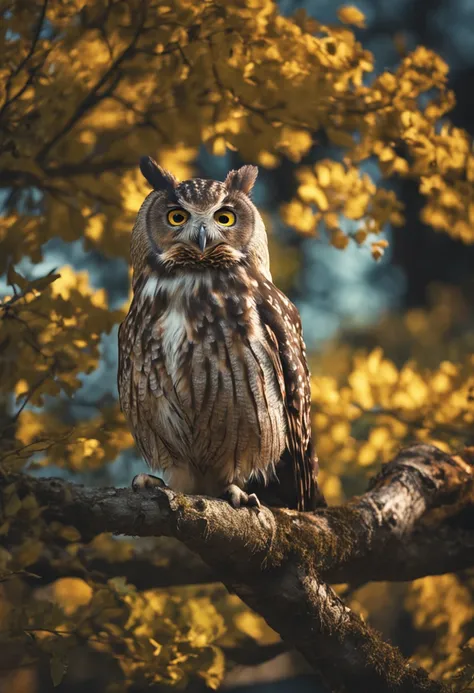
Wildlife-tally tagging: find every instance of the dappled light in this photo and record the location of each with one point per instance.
(86, 88)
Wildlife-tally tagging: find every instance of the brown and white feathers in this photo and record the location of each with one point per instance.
(212, 368)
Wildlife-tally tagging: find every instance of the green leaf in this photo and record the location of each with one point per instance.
(57, 666)
(43, 282)
(12, 506)
(14, 278)
(120, 585)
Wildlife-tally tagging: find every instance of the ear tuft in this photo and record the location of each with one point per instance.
(158, 178)
(243, 179)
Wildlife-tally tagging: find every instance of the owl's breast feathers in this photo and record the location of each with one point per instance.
(213, 380)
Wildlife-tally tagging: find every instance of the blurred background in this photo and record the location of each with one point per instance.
(341, 295)
(415, 302)
(336, 292)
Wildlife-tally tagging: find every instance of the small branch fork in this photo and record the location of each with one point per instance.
(414, 520)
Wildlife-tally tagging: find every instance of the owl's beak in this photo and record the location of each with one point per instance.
(202, 238)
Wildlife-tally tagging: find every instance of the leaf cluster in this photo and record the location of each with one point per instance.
(85, 89)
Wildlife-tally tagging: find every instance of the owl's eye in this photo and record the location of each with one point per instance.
(224, 217)
(177, 217)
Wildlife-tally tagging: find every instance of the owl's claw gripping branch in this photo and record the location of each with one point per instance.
(279, 561)
(238, 498)
(147, 481)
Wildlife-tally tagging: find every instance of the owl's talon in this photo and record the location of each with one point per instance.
(238, 498)
(253, 501)
(147, 481)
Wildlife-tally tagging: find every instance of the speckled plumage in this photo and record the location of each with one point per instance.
(212, 369)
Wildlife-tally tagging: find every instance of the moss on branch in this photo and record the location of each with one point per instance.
(279, 561)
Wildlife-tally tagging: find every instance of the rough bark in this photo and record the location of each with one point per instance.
(279, 561)
(438, 551)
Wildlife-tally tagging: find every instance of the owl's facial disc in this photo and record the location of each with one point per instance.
(197, 228)
(199, 239)
(200, 228)
(197, 223)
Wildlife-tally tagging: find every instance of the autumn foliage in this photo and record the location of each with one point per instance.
(85, 89)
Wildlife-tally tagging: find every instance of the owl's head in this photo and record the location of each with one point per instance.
(198, 224)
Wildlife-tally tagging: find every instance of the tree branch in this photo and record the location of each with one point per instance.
(101, 90)
(435, 552)
(277, 561)
(19, 178)
(23, 64)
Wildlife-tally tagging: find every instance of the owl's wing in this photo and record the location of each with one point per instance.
(288, 354)
(141, 376)
(131, 381)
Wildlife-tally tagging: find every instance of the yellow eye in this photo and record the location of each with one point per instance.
(224, 217)
(177, 217)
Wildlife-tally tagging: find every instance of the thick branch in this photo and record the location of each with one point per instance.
(276, 560)
(435, 552)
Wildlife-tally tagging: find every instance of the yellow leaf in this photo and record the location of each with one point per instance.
(377, 251)
(311, 193)
(356, 206)
(367, 455)
(214, 673)
(71, 594)
(339, 239)
(351, 15)
(340, 431)
(360, 236)
(268, 159)
(95, 227)
(29, 552)
(69, 533)
(378, 437)
(332, 488)
(219, 146)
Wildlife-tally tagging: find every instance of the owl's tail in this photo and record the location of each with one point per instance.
(285, 492)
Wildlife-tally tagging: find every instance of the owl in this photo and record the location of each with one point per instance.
(212, 372)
